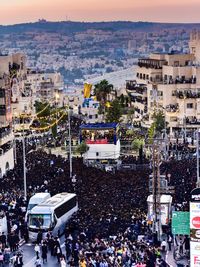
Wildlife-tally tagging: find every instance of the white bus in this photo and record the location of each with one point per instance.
(52, 214)
(35, 200)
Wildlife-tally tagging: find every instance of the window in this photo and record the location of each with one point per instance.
(2, 110)
(2, 93)
(160, 93)
(40, 220)
(176, 63)
(97, 154)
(65, 207)
(189, 105)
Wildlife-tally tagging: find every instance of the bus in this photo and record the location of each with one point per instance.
(35, 200)
(52, 215)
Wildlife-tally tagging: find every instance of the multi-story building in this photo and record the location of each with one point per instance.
(169, 82)
(11, 67)
(47, 87)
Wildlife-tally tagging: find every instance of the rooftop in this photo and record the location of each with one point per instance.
(99, 126)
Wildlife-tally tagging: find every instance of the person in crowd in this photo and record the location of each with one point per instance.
(38, 262)
(44, 249)
(37, 250)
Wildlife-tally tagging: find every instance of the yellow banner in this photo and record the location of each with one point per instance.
(87, 90)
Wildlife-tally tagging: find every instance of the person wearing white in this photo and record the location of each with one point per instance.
(63, 262)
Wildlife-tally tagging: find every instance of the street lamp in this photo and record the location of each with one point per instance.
(70, 146)
(24, 163)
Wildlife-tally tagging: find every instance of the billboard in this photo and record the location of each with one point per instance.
(195, 254)
(195, 228)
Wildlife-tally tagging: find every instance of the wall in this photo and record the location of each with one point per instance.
(108, 151)
(7, 157)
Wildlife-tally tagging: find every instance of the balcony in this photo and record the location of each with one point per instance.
(6, 135)
(132, 87)
(192, 121)
(172, 108)
(180, 81)
(151, 63)
(186, 94)
(5, 148)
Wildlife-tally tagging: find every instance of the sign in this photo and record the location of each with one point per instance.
(195, 235)
(195, 215)
(195, 254)
(195, 228)
(195, 195)
(180, 223)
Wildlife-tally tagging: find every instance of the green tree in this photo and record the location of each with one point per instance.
(151, 132)
(43, 108)
(122, 100)
(82, 148)
(102, 90)
(159, 120)
(54, 130)
(131, 115)
(137, 144)
(114, 113)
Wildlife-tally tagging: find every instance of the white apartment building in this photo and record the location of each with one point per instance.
(169, 82)
(11, 66)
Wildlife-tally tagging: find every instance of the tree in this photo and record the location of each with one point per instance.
(131, 115)
(42, 108)
(114, 112)
(54, 130)
(82, 148)
(137, 144)
(159, 120)
(102, 90)
(151, 132)
(122, 100)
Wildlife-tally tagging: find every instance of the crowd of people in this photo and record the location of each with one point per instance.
(112, 211)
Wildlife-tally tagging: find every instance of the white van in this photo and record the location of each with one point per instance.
(35, 200)
(165, 205)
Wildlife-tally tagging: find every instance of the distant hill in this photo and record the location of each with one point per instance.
(70, 27)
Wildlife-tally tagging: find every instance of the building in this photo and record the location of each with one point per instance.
(169, 82)
(10, 67)
(102, 139)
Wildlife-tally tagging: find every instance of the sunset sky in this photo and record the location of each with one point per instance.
(17, 11)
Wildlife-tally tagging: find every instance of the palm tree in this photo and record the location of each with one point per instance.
(102, 90)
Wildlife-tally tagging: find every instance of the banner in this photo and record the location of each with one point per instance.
(87, 90)
(195, 228)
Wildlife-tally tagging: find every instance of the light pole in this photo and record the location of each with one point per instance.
(14, 140)
(24, 163)
(70, 146)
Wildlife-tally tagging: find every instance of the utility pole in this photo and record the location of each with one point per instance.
(70, 145)
(24, 163)
(156, 189)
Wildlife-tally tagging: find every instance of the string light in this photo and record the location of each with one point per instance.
(49, 126)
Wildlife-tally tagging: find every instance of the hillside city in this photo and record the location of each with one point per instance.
(89, 53)
(99, 144)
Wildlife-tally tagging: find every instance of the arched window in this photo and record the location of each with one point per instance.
(1, 173)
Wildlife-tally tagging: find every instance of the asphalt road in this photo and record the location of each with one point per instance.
(29, 256)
